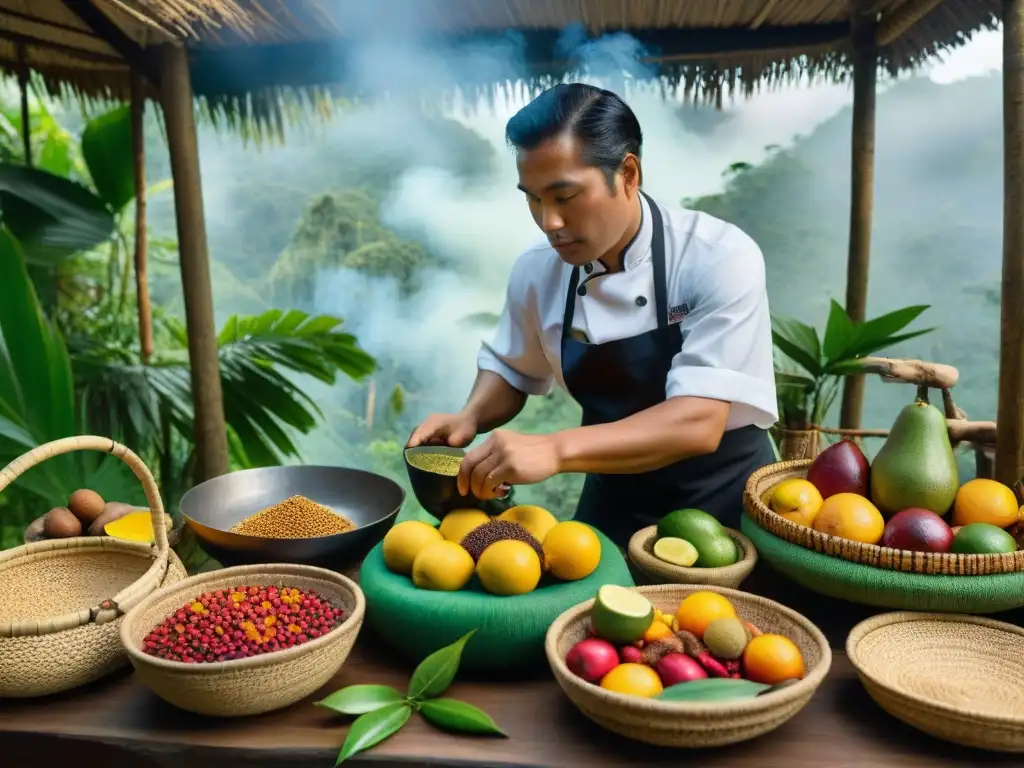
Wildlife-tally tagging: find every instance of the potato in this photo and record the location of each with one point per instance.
(59, 523)
(86, 505)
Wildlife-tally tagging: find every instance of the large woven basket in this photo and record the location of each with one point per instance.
(62, 601)
(690, 724)
(656, 571)
(256, 684)
(873, 555)
(958, 678)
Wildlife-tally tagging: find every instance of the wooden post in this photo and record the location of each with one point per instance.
(138, 110)
(862, 184)
(1009, 467)
(207, 397)
(26, 123)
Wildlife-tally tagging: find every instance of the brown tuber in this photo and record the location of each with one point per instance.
(86, 505)
(59, 523)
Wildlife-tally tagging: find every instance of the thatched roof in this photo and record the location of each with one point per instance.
(247, 53)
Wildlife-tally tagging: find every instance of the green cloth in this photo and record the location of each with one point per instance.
(845, 580)
(510, 630)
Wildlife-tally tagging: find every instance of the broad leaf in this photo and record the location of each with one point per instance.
(372, 728)
(50, 216)
(840, 333)
(107, 150)
(360, 699)
(891, 341)
(452, 715)
(876, 333)
(436, 672)
(798, 341)
(712, 689)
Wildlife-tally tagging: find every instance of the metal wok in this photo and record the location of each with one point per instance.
(369, 500)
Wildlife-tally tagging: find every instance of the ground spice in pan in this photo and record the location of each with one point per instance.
(294, 518)
(438, 463)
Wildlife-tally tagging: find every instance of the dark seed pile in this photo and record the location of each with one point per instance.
(481, 537)
(242, 622)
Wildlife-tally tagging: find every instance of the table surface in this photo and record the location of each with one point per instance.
(119, 722)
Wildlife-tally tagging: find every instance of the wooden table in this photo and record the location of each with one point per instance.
(118, 722)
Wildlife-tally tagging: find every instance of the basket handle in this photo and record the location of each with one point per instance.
(126, 599)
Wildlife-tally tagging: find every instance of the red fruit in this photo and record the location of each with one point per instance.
(592, 659)
(841, 468)
(917, 530)
(675, 668)
(630, 654)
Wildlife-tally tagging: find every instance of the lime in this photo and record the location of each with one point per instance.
(717, 552)
(621, 615)
(675, 551)
(983, 539)
(689, 524)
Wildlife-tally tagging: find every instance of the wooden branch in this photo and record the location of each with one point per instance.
(138, 113)
(112, 34)
(976, 432)
(933, 375)
(895, 24)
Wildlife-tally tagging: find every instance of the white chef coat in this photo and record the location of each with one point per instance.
(716, 291)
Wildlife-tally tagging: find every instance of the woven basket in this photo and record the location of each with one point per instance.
(656, 571)
(692, 724)
(958, 678)
(61, 601)
(873, 555)
(256, 684)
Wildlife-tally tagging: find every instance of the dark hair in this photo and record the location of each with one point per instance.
(600, 120)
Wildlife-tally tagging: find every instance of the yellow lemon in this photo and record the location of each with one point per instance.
(404, 541)
(797, 500)
(536, 520)
(457, 523)
(443, 566)
(571, 550)
(985, 501)
(509, 567)
(633, 679)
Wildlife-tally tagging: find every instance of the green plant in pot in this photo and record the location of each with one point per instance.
(809, 368)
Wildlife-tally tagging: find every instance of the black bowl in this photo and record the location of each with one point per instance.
(369, 500)
(438, 494)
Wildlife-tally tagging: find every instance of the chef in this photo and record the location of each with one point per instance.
(652, 317)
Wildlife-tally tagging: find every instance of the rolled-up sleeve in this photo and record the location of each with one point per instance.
(515, 351)
(727, 343)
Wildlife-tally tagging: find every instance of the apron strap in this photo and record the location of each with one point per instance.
(570, 302)
(658, 262)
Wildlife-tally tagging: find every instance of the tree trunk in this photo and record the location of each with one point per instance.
(138, 107)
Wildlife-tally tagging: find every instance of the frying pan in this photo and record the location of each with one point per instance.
(369, 500)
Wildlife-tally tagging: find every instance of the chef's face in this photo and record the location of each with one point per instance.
(583, 216)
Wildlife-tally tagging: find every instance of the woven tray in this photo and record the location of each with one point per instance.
(509, 630)
(867, 554)
(656, 571)
(865, 584)
(692, 724)
(970, 692)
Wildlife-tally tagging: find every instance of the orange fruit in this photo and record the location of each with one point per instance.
(700, 609)
(656, 631)
(770, 659)
(571, 550)
(633, 679)
(797, 500)
(985, 501)
(850, 516)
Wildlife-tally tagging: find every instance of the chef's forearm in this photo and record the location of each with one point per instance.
(679, 428)
(493, 402)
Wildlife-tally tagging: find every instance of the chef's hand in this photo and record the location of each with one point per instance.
(508, 458)
(454, 429)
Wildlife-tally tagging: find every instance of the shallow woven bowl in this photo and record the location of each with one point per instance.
(959, 678)
(254, 685)
(873, 555)
(692, 724)
(641, 555)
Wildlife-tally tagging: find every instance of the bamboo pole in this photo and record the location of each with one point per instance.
(207, 397)
(1009, 463)
(862, 183)
(138, 111)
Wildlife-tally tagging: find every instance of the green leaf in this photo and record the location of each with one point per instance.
(840, 333)
(372, 728)
(799, 341)
(108, 154)
(50, 216)
(360, 699)
(436, 672)
(452, 715)
(713, 689)
(891, 341)
(878, 332)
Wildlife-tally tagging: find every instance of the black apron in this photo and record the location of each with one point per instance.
(617, 379)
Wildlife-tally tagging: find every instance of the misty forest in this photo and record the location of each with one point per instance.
(383, 239)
